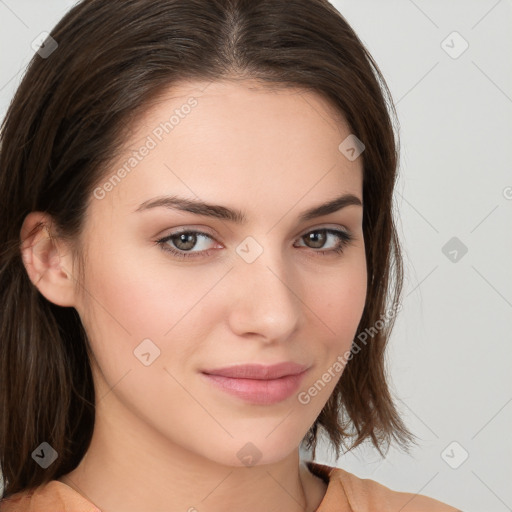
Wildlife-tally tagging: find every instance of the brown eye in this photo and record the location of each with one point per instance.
(181, 243)
(317, 239)
(184, 241)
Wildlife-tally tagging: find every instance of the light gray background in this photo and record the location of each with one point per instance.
(451, 350)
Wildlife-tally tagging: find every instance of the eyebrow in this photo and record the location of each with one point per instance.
(237, 216)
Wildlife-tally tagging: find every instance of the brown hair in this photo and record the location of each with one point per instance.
(67, 121)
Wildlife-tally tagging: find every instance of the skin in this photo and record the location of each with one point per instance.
(165, 440)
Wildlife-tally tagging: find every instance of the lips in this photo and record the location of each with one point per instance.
(258, 371)
(258, 384)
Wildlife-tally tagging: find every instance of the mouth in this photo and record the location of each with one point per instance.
(258, 384)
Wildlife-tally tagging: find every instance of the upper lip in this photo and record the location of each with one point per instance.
(259, 371)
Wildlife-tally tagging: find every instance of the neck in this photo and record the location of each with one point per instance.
(130, 468)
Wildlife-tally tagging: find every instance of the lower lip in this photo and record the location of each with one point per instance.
(262, 392)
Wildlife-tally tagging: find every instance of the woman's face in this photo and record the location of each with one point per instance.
(258, 291)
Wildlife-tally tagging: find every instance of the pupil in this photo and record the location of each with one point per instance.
(183, 239)
(320, 238)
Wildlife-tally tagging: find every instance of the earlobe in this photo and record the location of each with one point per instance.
(46, 261)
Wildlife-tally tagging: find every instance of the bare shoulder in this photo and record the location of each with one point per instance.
(366, 495)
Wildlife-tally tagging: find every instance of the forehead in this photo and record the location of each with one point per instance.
(245, 96)
(236, 141)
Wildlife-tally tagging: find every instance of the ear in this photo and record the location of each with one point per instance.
(47, 260)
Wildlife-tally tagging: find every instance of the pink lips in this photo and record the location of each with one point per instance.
(259, 384)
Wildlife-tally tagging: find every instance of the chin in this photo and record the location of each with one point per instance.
(242, 452)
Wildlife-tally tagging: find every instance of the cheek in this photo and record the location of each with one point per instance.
(128, 302)
(339, 299)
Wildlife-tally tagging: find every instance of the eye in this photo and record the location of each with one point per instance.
(344, 239)
(184, 241)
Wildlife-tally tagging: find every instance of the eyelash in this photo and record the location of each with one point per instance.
(345, 240)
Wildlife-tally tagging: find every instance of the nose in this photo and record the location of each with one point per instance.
(265, 297)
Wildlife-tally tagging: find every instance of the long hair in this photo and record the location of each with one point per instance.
(67, 122)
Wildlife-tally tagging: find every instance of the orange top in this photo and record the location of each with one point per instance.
(345, 493)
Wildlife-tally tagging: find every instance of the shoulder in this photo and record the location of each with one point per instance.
(366, 495)
(48, 497)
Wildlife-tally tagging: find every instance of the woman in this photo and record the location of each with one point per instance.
(197, 228)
